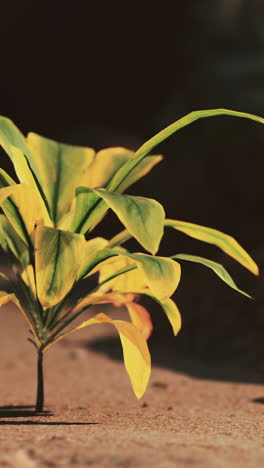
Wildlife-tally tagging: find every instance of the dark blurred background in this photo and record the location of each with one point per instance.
(114, 74)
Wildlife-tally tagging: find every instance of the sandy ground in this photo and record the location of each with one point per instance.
(96, 421)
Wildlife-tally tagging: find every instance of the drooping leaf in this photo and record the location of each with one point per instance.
(58, 167)
(140, 318)
(161, 274)
(216, 267)
(143, 217)
(10, 240)
(136, 354)
(122, 299)
(212, 236)
(149, 145)
(58, 256)
(169, 307)
(138, 314)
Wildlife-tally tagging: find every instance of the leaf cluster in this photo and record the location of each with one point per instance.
(46, 228)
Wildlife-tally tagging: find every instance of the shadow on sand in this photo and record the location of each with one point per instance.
(29, 411)
(174, 356)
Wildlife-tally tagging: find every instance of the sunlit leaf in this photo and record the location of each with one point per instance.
(58, 256)
(225, 242)
(138, 314)
(130, 281)
(21, 209)
(58, 167)
(26, 176)
(216, 267)
(136, 354)
(161, 274)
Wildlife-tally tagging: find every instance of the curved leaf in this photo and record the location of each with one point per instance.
(212, 236)
(143, 217)
(166, 133)
(140, 318)
(216, 267)
(169, 307)
(58, 256)
(161, 274)
(136, 354)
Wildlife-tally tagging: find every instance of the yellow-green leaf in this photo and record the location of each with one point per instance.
(139, 171)
(26, 176)
(143, 217)
(92, 246)
(216, 267)
(28, 211)
(136, 354)
(58, 167)
(58, 257)
(132, 280)
(148, 146)
(212, 236)
(161, 274)
(10, 240)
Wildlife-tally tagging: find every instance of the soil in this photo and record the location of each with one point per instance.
(194, 413)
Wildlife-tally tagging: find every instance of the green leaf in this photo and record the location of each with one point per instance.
(225, 242)
(166, 133)
(136, 354)
(143, 217)
(58, 168)
(218, 269)
(58, 257)
(10, 240)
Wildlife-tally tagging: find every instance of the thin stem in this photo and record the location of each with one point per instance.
(40, 387)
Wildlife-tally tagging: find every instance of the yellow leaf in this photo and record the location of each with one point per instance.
(28, 277)
(26, 177)
(135, 349)
(131, 281)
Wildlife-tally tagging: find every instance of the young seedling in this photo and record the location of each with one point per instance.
(61, 193)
